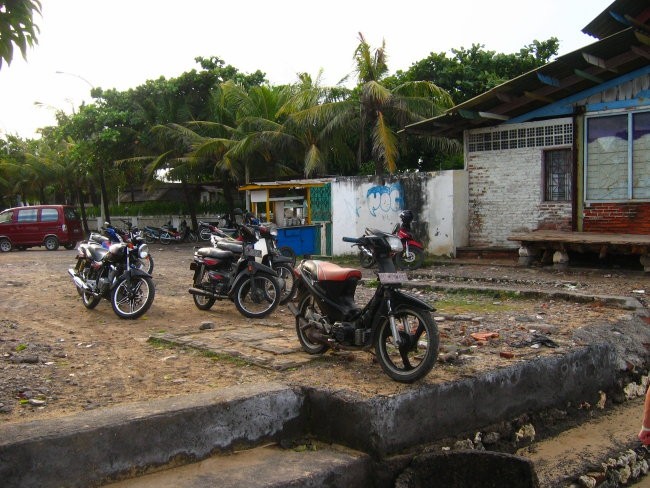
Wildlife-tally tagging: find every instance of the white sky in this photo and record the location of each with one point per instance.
(122, 43)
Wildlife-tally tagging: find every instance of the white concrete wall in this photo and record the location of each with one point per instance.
(440, 207)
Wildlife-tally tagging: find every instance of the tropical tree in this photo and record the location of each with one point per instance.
(17, 27)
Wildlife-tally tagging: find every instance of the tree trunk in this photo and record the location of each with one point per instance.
(190, 204)
(102, 185)
(82, 209)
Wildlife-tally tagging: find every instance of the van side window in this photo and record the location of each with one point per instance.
(49, 215)
(5, 217)
(71, 214)
(27, 215)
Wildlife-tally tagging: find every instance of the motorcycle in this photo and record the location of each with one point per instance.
(153, 234)
(269, 256)
(231, 272)
(207, 228)
(133, 237)
(109, 274)
(182, 234)
(399, 327)
(412, 255)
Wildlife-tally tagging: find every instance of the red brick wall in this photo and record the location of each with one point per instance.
(619, 218)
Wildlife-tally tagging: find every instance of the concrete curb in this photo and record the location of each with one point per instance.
(108, 444)
(114, 443)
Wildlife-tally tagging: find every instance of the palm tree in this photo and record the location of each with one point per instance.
(374, 112)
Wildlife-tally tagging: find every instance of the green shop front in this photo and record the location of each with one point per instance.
(301, 210)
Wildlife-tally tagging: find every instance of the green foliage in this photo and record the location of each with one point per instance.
(17, 27)
(160, 208)
(470, 72)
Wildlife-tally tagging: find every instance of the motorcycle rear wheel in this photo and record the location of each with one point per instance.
(410, 260)
(202, 302)
(418, 353)
(205, 234)
(257, 296)
(290, 283)
(89, 300)
(165, 238)
(191, 237)
(308, 306)
(131, 298)
(149, 238)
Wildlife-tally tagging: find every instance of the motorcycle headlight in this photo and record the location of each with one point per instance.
(395, 243)
(143, 251)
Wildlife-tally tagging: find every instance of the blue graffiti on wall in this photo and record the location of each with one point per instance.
(385, 198)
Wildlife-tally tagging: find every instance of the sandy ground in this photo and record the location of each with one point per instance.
(56, 357)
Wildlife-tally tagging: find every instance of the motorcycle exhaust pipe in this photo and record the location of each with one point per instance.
(79, 283)
(197, 291)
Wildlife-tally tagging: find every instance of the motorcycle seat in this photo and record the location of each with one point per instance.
(234, 247)
(326, 271)
(95, 250)
(211, 252)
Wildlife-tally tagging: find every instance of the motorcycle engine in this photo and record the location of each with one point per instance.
(219, 281)
(343, 332)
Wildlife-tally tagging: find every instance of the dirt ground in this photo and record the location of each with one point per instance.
(56, 357)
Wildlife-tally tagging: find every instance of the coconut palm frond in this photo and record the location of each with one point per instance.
(385, 144)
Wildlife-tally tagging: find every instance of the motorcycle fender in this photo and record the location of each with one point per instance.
(401, 298)
(413, 243)
(282, 259)
(243, 275)
(128, 274)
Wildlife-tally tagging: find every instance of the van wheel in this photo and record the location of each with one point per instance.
(51, 243)
(5, 245)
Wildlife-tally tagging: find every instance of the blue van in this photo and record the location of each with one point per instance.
(40, 225)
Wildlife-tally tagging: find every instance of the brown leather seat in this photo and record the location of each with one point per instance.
(326, 271)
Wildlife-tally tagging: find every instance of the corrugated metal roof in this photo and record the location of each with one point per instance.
(612, 19)
(569, 74)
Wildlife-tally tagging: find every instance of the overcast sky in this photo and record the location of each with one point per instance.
(122, 43)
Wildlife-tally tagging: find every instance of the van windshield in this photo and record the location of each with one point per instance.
(71, 214)
(6, 216)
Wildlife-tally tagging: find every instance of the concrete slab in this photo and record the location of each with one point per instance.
(264, 467)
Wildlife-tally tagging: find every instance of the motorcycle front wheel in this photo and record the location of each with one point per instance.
(191, 237)
(418, 351)
(365, 260)
(149, 238)
(131, 298)
(165, 238)
(257, 296)
(202, 302)
(308, 309)
(411, 259)
(285, 272)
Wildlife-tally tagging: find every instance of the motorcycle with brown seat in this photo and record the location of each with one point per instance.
(399, 327)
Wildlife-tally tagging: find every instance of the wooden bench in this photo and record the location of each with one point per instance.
(552, 245)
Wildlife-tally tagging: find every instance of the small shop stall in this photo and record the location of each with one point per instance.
(287, 204)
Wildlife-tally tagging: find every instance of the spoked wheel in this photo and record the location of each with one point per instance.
(411, 259)
(417, 353)
(165, 238)
(205, 234)
(89, 300)
(145, 264)
(309, 311)
(149, 238)
(191, 237)
(285, 272)
(257, 296)
(203, 302)
(288, 252)
(132, 297)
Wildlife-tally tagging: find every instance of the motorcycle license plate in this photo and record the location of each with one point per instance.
(391, 278)
(251, 251)
(193, 266)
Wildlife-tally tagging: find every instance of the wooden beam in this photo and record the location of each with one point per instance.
(599, 62)
(493, 116)
(588, 76)
(468, 114)
(505, 97)
(642, 37)
(548, 80)
(642, 52)
(536, 96)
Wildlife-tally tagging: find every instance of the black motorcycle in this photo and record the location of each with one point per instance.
(133, 237)
(270, 256)
(398, 326)
(231, 272)
(109, 273)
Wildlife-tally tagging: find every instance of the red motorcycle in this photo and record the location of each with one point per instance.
(411, 257)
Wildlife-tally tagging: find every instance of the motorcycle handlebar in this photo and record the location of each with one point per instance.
(352, 239)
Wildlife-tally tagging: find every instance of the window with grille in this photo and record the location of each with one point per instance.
(558, 175)
(515, 138)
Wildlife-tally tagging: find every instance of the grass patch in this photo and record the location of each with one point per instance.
(481, 302)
